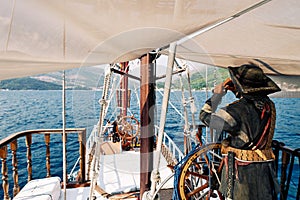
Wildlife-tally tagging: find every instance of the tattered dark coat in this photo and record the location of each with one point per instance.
(244, 120)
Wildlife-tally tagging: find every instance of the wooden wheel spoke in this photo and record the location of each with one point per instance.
(206, 159)
(197, 165)
(197, 190)
(197, 179)
(189, 173)
(130, 126)
(220, 166)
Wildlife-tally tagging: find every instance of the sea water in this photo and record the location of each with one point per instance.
(26, 110)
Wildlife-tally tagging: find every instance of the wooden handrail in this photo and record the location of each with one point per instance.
(12, 140)
(4, 171)
(17, 135)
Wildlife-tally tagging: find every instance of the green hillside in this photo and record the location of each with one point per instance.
(92, 77)
(28, 84)
(84, 78)
(198, 79)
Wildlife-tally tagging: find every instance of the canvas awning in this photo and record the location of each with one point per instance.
(268, 36)
(41, 36)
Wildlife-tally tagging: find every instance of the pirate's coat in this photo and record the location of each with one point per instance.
(247, 122)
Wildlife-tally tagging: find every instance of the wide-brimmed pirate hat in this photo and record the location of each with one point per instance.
(250, 79)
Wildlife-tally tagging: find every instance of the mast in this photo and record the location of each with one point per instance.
(147, 105)
(124, 67)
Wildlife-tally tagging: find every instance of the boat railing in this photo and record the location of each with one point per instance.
(91, 146)
(170, 150)
(93, 137)
(91, 140)
(287, 170)
(9, 150)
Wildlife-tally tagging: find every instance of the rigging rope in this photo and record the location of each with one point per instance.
(103, 103)
(186, 131)
(171, 104)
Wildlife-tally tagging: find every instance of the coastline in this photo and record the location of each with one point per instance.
(286, 94)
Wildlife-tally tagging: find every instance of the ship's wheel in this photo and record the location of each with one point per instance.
(198, 176)
(129, 128)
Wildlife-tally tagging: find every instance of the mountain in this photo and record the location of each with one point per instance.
(198, 79)
(86, 78)
(28, 84)
(90, 78)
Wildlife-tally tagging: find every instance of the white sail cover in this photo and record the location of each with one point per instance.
(40, 36)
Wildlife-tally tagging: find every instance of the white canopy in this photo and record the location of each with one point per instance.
(40, 36)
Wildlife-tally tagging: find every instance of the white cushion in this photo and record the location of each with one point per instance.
(41, 189)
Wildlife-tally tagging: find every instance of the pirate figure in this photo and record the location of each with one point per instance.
(250, 123)
(115, 135)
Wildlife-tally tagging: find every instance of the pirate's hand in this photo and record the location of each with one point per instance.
(228, 85)
(219, 89)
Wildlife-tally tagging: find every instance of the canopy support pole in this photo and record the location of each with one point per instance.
(155, 176)
(64, 137)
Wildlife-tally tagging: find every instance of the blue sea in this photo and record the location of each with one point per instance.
(26, 110)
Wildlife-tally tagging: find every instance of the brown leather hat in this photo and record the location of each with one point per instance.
(250, 79)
